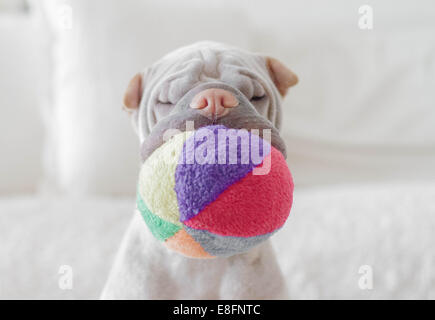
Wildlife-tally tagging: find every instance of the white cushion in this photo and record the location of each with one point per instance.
(24, 80)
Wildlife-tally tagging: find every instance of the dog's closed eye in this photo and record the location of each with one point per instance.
(257, 91)
(258, 98)
(163, 108)
(260, 101)
(164, 102)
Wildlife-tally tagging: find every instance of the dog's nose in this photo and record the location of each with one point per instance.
(214, 103)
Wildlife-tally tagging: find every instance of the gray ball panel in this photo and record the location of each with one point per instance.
(225, 246)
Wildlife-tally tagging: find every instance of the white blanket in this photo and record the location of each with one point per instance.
(331, 233)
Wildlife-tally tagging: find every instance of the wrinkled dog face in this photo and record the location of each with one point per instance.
(208, 83)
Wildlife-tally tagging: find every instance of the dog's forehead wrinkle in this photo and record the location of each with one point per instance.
(229, 58)
(163, 95)
(239, 81)
(184, 75)
(211, 61)
(179, 87)
(208, 66)
(245, 80)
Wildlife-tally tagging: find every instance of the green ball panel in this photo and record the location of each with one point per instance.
(160, 228)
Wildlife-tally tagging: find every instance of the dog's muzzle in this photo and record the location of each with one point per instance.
(213, 103)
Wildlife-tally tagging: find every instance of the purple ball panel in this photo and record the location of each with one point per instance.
(213, 159)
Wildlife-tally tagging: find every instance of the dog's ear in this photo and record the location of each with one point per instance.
(282, 76)
(133, 94)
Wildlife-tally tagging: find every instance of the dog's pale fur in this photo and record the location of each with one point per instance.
(144, 268)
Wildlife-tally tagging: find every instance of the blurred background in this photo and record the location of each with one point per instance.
(359, 128)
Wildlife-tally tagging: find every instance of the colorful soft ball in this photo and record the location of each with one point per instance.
(214, 192)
